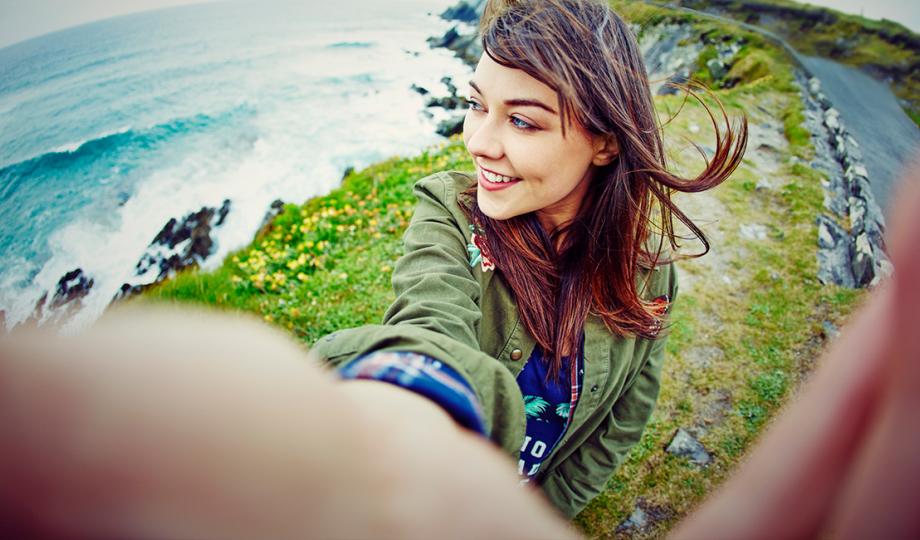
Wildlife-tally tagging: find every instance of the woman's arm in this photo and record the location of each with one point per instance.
(181, 424)
(436, 312)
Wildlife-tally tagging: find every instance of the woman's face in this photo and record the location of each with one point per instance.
(514, 133)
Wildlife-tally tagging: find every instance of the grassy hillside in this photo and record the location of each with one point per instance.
(747, 326)
(885, 49)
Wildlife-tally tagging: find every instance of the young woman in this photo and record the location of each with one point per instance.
(532, 297)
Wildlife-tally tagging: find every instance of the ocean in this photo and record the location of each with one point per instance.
(109, 129)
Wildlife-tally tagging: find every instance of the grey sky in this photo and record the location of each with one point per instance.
(906, 12)
(23, 19)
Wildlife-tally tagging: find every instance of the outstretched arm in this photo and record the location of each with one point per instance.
(181, 424)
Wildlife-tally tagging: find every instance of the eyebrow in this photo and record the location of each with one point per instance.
(520, 102)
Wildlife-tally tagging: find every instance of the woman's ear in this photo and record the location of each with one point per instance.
(606, 148)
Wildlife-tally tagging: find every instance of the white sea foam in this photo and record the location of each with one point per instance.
(306, 133)
(74, 146)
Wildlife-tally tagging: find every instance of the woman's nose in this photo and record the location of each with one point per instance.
(482, 137)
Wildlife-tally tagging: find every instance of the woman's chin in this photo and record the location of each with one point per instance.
(490, 209)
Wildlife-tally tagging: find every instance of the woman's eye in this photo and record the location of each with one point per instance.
(473, 106)
(521, 124)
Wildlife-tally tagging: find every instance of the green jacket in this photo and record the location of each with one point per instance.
(467, 318)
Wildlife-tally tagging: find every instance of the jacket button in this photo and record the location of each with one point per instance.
(516, 354)
(594, 388)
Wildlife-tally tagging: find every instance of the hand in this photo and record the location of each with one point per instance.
(181, 424)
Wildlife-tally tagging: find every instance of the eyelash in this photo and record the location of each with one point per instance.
(518, 123)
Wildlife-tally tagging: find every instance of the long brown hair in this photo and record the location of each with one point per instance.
(589, 56)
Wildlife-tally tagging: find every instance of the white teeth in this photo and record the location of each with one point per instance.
(492, 177)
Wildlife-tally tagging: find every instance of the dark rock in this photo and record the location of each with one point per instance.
(180, 244)
(636, 521)
(468, 12)
(449, 84)
(222, 212)
(859, 187)
(684, 445)
(39, 310)
(643, 517)
(446, 40)
(450, 126)
(348, 171)
(449, 103)
(834, 258)
(674, 83)
(716, 68)
(467, 47)
(857, 215)
(72, 287)
(127, 290)
(66, 301)
(195, 227)
(831, 120)
(420, 89)
(274, 209)
(814, 85)
(864, 263)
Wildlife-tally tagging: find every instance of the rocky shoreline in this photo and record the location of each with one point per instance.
(182, 243)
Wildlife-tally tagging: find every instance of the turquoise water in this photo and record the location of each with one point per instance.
(108, 130)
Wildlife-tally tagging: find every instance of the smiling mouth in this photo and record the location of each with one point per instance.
(493, 181)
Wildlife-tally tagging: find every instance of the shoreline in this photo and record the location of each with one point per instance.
(183, 240)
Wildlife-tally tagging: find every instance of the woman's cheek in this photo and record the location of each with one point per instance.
(468, 128)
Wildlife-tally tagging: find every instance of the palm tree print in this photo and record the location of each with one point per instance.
(535, 406)
(563, 409)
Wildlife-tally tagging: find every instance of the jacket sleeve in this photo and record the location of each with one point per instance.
(436, 313)
(584, 474)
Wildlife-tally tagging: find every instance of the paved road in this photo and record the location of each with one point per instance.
(886, 136)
